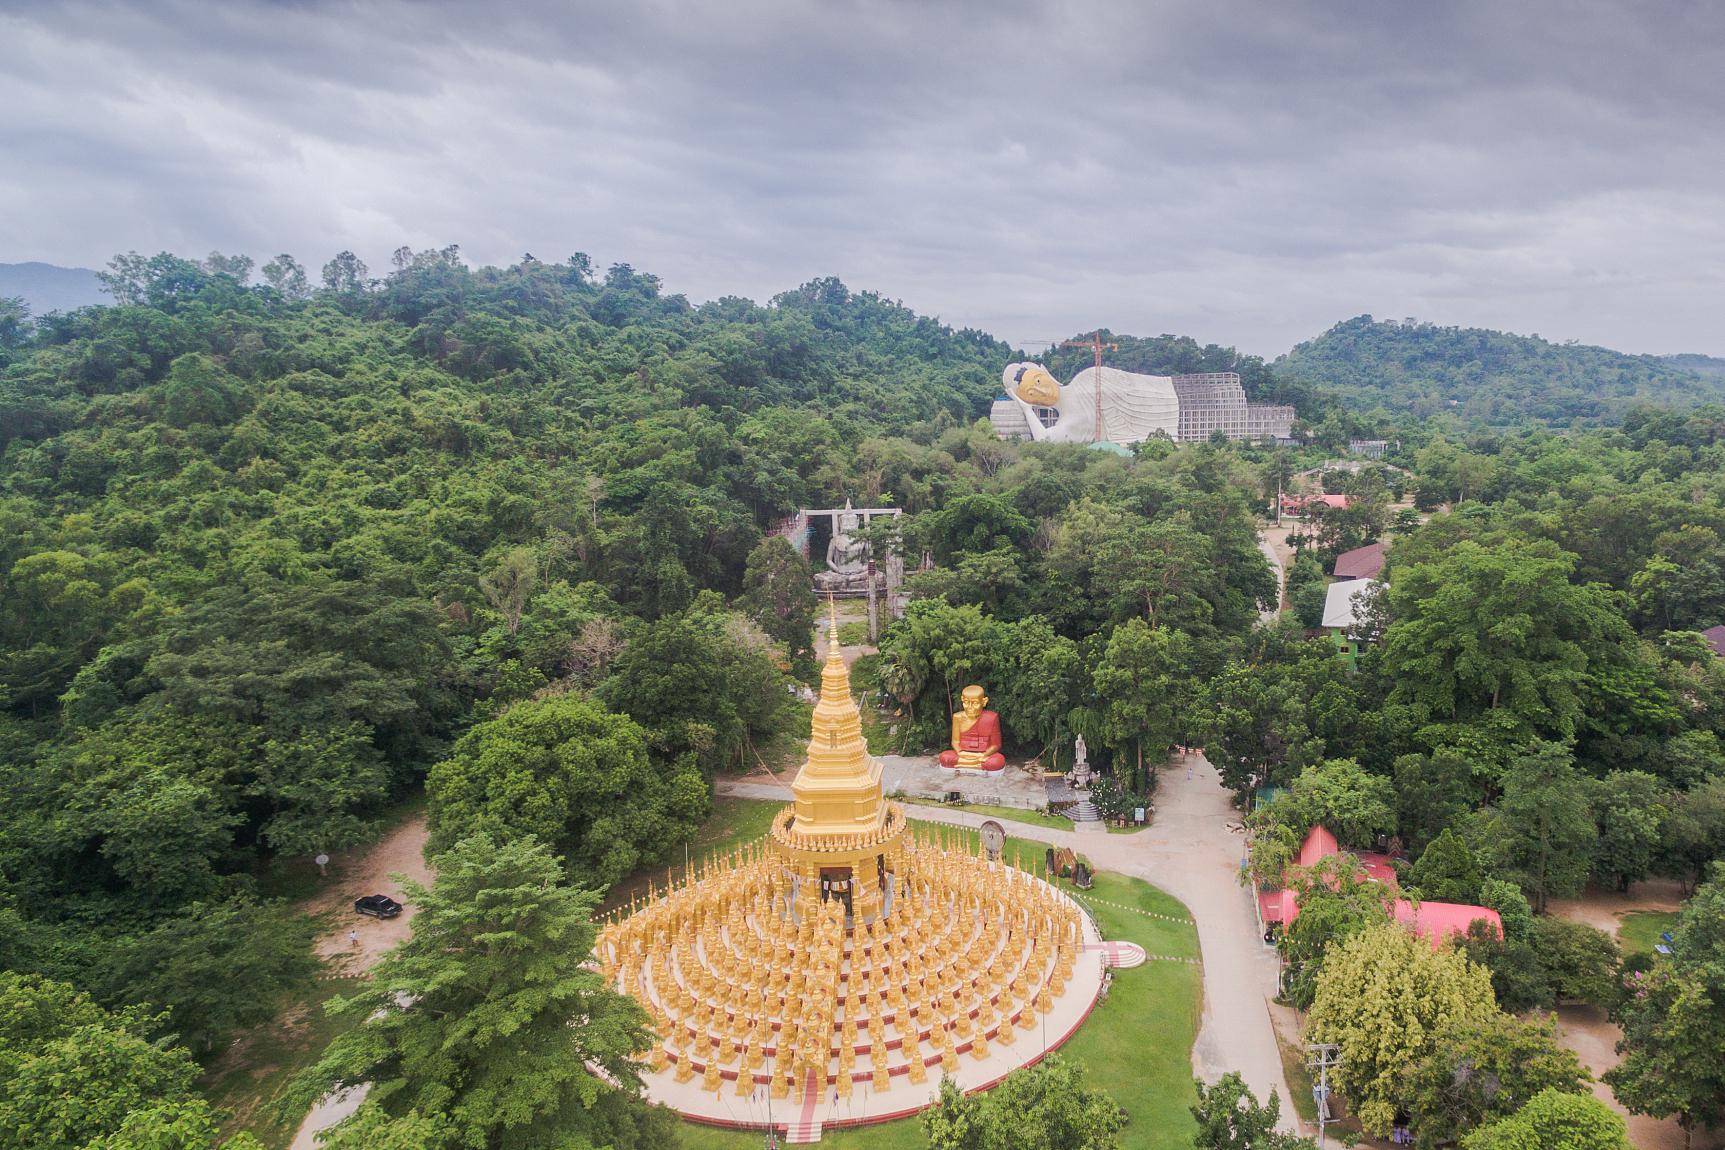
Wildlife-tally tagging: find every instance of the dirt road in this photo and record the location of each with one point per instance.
(1273, 542)
(402, 851)
(1587, 1031)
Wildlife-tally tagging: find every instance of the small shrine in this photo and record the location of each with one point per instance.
(833, 970)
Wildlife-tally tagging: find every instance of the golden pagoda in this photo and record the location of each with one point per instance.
(840, 833)
(842, 949)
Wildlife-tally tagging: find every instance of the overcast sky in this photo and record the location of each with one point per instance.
(1243, 173)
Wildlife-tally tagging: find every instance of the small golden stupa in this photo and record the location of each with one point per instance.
(785, 963)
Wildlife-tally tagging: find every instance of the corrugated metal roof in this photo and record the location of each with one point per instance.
(1341, 602)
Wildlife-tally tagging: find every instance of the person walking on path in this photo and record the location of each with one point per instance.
(353, 939)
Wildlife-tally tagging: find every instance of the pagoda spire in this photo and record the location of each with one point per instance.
(838, 789)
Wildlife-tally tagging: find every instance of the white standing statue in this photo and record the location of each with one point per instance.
(1080, 763)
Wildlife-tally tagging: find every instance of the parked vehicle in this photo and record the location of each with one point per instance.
(377, 905)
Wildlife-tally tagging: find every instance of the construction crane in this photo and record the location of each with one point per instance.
(1095, 344)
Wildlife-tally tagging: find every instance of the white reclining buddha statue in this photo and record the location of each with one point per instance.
(1134, 407)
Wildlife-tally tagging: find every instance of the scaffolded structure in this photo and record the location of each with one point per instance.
(1133, 407)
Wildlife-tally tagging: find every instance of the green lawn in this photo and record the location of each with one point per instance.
(1034, 818)
(1299, 1079)
(1137, 1045)
(1640, 930)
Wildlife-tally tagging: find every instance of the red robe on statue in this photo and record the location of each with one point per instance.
(983, 734)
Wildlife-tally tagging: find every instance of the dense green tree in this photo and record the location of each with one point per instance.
(215, 969)
(1041, 1107)
(1336, 902)
(1432, 792)
(568, 772)
(1231, 1118)
(1518, 980)
(1694, 833)
(509, 585)
(1483, 1070)
(185, 1125)
(374, 1128)
(1548, 822)
(1339, 795)
(1674, 1022)
(1554, 1120)
(1578, 961)
(470, 1018)
(1447, 871)
(1383, 997)
(1307, 603)
(1630, 812)
(778, 593)
(1140, 678)
(1493, 648)
(75, 1074)
(702, 683)
(1280, 710)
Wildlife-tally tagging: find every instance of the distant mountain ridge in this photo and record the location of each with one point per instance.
(1493, 377)
(49, 287)
(1699, 364)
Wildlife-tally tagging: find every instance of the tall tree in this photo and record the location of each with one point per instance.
(1383, 997)
(778, 594)
(1141, 680)
(1548, 823)
(572, 774)
(1673, 1019)
(472, 1017)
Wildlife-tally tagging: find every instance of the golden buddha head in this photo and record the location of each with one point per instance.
(974, 701)
(1032, 383)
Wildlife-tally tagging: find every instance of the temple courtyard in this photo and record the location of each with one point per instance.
(1193, 853)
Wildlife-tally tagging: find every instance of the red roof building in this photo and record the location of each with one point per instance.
(1437, 921)
(1715, 637)
(1434, 921)
(1295, 504)
(1361, 563)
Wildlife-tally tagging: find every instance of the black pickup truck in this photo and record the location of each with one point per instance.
(377, 905)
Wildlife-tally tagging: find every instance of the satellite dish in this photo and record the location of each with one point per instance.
(993, 838)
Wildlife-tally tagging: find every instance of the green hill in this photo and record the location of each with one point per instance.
(1709, 365)
(1489, 377)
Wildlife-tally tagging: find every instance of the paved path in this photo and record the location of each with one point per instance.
(1272, 541)
(1190, 853)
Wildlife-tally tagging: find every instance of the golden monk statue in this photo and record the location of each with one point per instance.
(975, 736)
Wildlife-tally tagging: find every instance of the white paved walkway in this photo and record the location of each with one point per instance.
(1190, 853)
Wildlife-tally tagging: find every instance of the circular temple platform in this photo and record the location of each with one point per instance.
(770, 1017)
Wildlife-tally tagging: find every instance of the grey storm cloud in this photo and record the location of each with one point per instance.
(1247, 174)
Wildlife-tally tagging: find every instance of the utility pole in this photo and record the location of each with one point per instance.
(1325, 1056)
